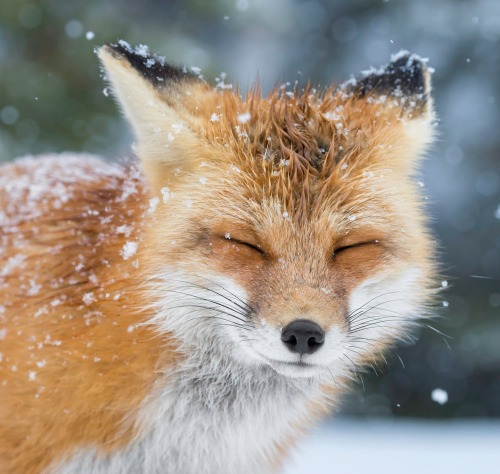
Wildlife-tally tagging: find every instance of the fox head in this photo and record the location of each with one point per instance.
(288, 230)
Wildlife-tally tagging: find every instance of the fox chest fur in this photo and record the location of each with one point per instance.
(197, 311)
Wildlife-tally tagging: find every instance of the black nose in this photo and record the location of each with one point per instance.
(303, 336)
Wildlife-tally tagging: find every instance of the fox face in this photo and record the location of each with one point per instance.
(288, 229)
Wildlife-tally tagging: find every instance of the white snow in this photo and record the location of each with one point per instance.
(124, 229)
(128, 250)
(440, 396)
(244, 118)
(346, 446)
(166, 194)
(88, 298)
(90, 35)
(153, 204)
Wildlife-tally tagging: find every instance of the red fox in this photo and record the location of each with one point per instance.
(201, 310)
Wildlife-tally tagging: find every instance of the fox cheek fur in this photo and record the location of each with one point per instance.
(198, 315)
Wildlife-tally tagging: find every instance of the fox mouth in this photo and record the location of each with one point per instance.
(293, 369)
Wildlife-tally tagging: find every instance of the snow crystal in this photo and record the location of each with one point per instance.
(90, 35)
(222, 83)
(244, 118)
(131, 328)
(227, 236)
(56, 302)
(166, 194)
(352, 217)
(203, 180)
(444, 283)
(41, 363)
(12, 263)
(446, 304)
(32, 375)
(331, 116)
(153, 204)
(440, 396)
(122, 229)
(197, 71)
(34, 289)
(128, 250)
(142, 50)
(40, 311)
(88, 298)
(326, 291)
(3, 333)
(344, 166)
(214, 117)
(177, 127)
(105, 92)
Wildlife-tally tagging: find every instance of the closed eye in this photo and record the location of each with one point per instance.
(353, 246)
(254, 247)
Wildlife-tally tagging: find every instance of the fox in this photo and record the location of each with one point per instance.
(202, 306)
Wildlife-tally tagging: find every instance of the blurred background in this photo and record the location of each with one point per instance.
(52, 98)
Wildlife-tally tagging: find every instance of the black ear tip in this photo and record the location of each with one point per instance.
(405, 75)
(152, 66)
(406, 60)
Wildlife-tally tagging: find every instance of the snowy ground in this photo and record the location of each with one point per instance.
(399, 447)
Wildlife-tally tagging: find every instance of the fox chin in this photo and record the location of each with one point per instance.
(199, 309)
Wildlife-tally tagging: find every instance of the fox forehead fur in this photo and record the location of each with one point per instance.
(143, 309)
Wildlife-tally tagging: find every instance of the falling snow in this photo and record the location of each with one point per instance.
(440, 396)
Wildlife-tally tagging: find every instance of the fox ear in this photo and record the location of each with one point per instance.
(405, 81)
(399, 91)
(159, 102)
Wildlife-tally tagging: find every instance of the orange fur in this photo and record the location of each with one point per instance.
(297, 207)
(72, 373)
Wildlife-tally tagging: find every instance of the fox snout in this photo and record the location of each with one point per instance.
(303, 336)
